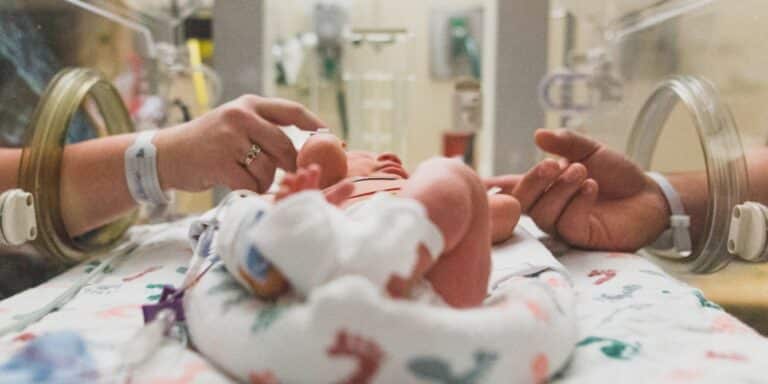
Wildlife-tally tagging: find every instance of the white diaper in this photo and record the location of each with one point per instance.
(313, 242)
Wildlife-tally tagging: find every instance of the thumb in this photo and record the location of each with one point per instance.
(566, 143)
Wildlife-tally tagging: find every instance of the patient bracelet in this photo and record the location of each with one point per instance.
(141, 171)
(675, 242)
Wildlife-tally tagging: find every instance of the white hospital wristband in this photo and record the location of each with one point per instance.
(141, 171)
(675, 242)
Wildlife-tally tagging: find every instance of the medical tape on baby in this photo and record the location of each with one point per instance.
(141, 171)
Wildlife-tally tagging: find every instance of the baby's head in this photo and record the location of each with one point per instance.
(329, 153)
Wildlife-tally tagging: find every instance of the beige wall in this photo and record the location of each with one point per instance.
(429, 107)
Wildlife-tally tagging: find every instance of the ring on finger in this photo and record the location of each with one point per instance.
(251, 155)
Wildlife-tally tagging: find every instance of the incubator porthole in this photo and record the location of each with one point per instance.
(722, 163)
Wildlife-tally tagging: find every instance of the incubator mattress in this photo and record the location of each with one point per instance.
(636, 324)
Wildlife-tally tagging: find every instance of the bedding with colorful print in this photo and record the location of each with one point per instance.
(635, 325)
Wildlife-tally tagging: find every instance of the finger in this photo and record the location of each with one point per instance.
(287, 185)
(285, 113)
(505, 213)
(282, 193)
(507, 183)
(301, 180)
(263, 170)
(313, 176)
(548, 209)
(566, 143)
(242, 179)
(574, 225)
(535, 183)
(274, 142)
(289, 181)
(339, 192)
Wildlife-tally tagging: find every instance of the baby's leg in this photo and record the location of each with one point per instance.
(457, 204)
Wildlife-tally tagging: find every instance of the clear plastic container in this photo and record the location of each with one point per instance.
(718, 137)
(707, 119)
(379, 81)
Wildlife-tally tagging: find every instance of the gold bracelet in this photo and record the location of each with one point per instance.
(40, 168)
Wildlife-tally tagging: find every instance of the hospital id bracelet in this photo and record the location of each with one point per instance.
(675, 242)
(141, 171)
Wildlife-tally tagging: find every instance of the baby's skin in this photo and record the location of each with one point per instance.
(455, 200)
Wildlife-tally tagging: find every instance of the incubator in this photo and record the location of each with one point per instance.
(680, 86)
(141, 73)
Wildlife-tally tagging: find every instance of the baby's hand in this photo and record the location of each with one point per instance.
(303, 180)
(308, 179)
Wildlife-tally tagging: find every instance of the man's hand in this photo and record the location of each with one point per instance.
(592, 198)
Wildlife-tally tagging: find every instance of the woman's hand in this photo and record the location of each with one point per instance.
(212, 149)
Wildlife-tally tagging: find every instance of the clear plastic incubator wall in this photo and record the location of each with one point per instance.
(679, 85)
(140, 76)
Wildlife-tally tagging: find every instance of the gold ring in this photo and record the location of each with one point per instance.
(251, 155)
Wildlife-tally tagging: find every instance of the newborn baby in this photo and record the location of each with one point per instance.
(373, 219)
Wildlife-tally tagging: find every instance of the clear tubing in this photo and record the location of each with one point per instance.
(130, 24)
(655, 15)
(723, 153)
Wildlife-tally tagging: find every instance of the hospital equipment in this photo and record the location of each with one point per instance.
(456, 42)
(17, 217)
(467, 112)
(40, 168)
(678, 86)
(726, 167)
(748, 234)
(378, 82)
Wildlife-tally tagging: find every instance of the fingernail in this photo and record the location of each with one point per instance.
(545, 172)
(589, 188)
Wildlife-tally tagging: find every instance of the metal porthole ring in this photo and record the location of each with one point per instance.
(40, 168)
(723, 153)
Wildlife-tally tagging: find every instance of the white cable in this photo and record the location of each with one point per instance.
(27, 319)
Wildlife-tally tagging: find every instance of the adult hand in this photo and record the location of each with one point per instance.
(592, 198)
(211, 150)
